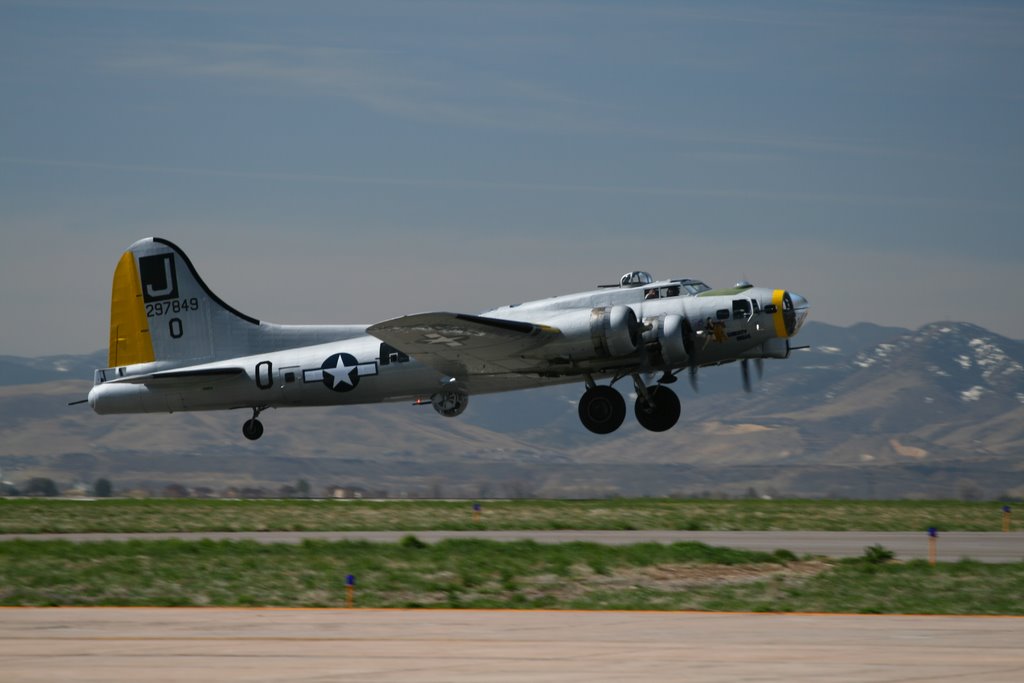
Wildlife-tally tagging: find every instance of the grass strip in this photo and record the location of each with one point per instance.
(28, 515)
(488, 574)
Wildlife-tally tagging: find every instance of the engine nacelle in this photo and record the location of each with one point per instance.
(672, 337)
(603, 332)
(450, 402)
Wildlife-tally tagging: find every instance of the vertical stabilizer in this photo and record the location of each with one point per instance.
(161, 310)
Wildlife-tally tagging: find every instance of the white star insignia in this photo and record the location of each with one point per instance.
(340, 373)
(436, 338)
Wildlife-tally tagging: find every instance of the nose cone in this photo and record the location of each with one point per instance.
(800, 308)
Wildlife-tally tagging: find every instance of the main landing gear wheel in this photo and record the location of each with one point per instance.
(602, 409)
(253, 428)
(661, 413)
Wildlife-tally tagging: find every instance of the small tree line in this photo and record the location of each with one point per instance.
(47, 488)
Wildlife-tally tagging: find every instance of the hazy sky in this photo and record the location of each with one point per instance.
(353, 161)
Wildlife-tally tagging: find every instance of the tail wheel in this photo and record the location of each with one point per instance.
(252, 429)
(602, 409)
(660, 413)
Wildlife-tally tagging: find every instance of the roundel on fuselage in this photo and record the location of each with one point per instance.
(341, 372)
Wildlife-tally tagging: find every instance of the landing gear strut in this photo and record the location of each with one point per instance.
(602, 409)
(253, 428)
(657, 409)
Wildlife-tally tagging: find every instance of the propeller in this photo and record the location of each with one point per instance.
(745, 370)
(690, 344)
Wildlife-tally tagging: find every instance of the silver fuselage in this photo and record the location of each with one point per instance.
(726, 329)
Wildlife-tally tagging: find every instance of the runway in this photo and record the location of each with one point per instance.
(951, 546)
(231, 645)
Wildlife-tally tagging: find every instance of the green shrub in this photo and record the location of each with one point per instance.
(878, 554)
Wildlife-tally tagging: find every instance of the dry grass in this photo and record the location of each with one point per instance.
(36, 515)
(491, 574)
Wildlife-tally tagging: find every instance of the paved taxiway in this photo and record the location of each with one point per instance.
(229, 645)
(952, 546)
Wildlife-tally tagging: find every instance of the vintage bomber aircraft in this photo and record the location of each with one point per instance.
(174, 345)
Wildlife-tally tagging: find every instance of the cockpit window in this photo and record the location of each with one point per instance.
(740, 309)
(662, 292)
(684, 286)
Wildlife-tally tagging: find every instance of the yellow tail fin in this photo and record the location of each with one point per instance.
(130, 341)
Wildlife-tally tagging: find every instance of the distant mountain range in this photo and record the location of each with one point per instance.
(867, 412)
(16, 370)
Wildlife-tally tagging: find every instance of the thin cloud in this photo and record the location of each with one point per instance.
(379, 80)
(385, 82)
(853, 199)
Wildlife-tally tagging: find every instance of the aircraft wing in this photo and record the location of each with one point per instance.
(459, 345)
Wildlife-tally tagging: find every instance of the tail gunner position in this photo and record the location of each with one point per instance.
(175, 345)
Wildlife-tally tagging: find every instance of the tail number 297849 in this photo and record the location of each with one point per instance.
(176, 306)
